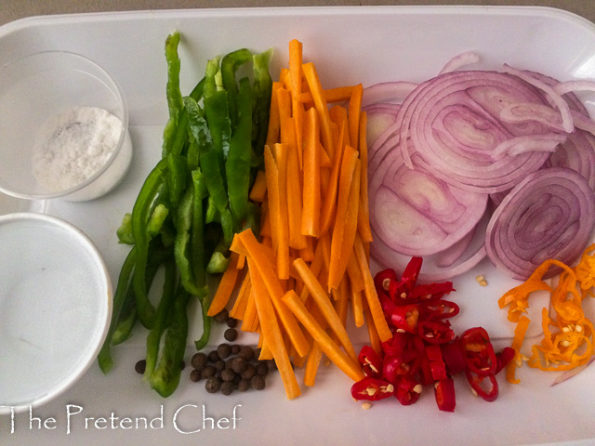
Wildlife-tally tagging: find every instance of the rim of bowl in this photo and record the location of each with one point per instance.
(112, 84)
(87, 357)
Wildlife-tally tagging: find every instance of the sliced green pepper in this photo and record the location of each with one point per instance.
(229, 66)
(261, 101)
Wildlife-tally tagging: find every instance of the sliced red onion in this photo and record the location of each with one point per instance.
(380, 117)
(523, 144)
(529, 111)
(578, 154)
(452, 122)
(572, 86)
(549, 214)
(387, 92)
(460, 61)
(449, 256)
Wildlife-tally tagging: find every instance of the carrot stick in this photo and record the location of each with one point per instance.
(282, 218)
(337, 94)
(284, 78)
(265, 352)
(326, 307)
(297, 108)
(329, 205)
(312, 365)
(250, 319)
(226, 286)
(274, 121)
(337, 263)
(364, 212)
(308, 252)
(256, 254)
(273, 211)
(315, 267)
(357, 307)
(271, 331)
(325, 160)
(310, 224)
(354, 109)
(259, 188)
(372, 333)
(338, 115)
(320, 104)
(348, 365)
(297, 240)
(382, 328)
(239, 306)
(355, 275)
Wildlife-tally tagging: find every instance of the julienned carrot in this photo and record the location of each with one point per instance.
(259, 187)
(273, 199)
(310, 224)
(325, 305)
(517, 342)
(239, 306)
(225, 288)
(271, 331)
(312, 364)
(354, 110)
(295, 78)
(337, 264)
(348, 365)
(364, 213)
(382, 328)
(283, 226)
(372, 333)
(320, 104)
(274, 121)
(250, 318)
(337, 94)
(256, 254)
(357, 307)
(297, 240)
(330, 200)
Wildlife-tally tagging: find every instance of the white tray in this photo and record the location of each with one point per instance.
(348, 45)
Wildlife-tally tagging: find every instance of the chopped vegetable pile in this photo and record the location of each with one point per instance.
(190, 206)
(424, 349)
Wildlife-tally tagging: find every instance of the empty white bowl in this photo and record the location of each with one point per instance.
(55, 308)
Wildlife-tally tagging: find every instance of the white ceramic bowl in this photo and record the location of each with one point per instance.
(55, 308)
(64, 128)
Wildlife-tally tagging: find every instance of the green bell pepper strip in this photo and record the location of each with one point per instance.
(165, 376)
(152, 192)
(124, 232)
(173, 94)
(121, 294)
(177, 178)
(229, 66)
(217, 109)
(198, 132)
(162, 317)
(262, 87)
(237, 165)
(183, 223)
(158, 217)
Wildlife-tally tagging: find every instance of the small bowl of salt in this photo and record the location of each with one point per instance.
(64, 128)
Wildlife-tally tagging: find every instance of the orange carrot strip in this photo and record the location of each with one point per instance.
(336, 94)
(325, 160)
(250, 319)
(348, 365)
(271, 331)
(355, 275)
(364, 213)
(239, 306)
(259, 188)
(308, 252)
(297, 240)
(382, 328)
(274, 121)
(273, 211)
(340, 244)
(357, 307)
(372, 333)
(310, 224)
(326, 307)
(265, 352)
(315, 267)
(260, 259)
(297, 108)
(330, 201)
(282, 224)
(312, 365)
(284, 78)
(338, 115)
(226, 287)
(354, 110)
(320, 104)
(517, 342)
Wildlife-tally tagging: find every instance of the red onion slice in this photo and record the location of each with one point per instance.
(460, 61)
(387, 92)
(549, 214)
(578, 154)
(380, 117)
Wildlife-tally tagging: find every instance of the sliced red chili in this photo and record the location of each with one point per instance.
(383, 279)
(435, 332)
(453, 356)
(444, 392)
(408, 390)
(370, 361)
(438, 309)
(405, 317)
(431, 291)
(396, 345)
(479, 352)
(411, 272)
(485, 386)
(395, 367)
(504, 357)
(372, 389)
(435, 362)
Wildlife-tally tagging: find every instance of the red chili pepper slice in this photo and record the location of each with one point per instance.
(405, 317)
(372, 389)
(396, 345)
(453, 356)
(504, 357)
(479, 352)
(436, 364)
(438, 309)
(431, 291)
(435, 332)
(383, 279)
(394, 367)
(485, 386)
(370, 361)
(408, 390)
(444, 392)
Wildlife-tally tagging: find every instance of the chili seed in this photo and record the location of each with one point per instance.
(247, 352)
(213, 385)
(238, 364)
(208, 372)
(366, 405)
(195, 375)
(249, 372)
(213, 356)
(224, 350)
(140, 366)
(244, 385)
(232, 323)
(199, 360)
(257, 382)
(222, 316)
(262, 368)
(227, 388)
(230, 334)
(235, 349)
(227, 375)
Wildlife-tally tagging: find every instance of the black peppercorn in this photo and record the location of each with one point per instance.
(213, 385)
(257, 382)
(230, 334)
(199, 360)
(140, 366)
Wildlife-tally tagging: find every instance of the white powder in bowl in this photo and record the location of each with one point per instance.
(72, 146)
